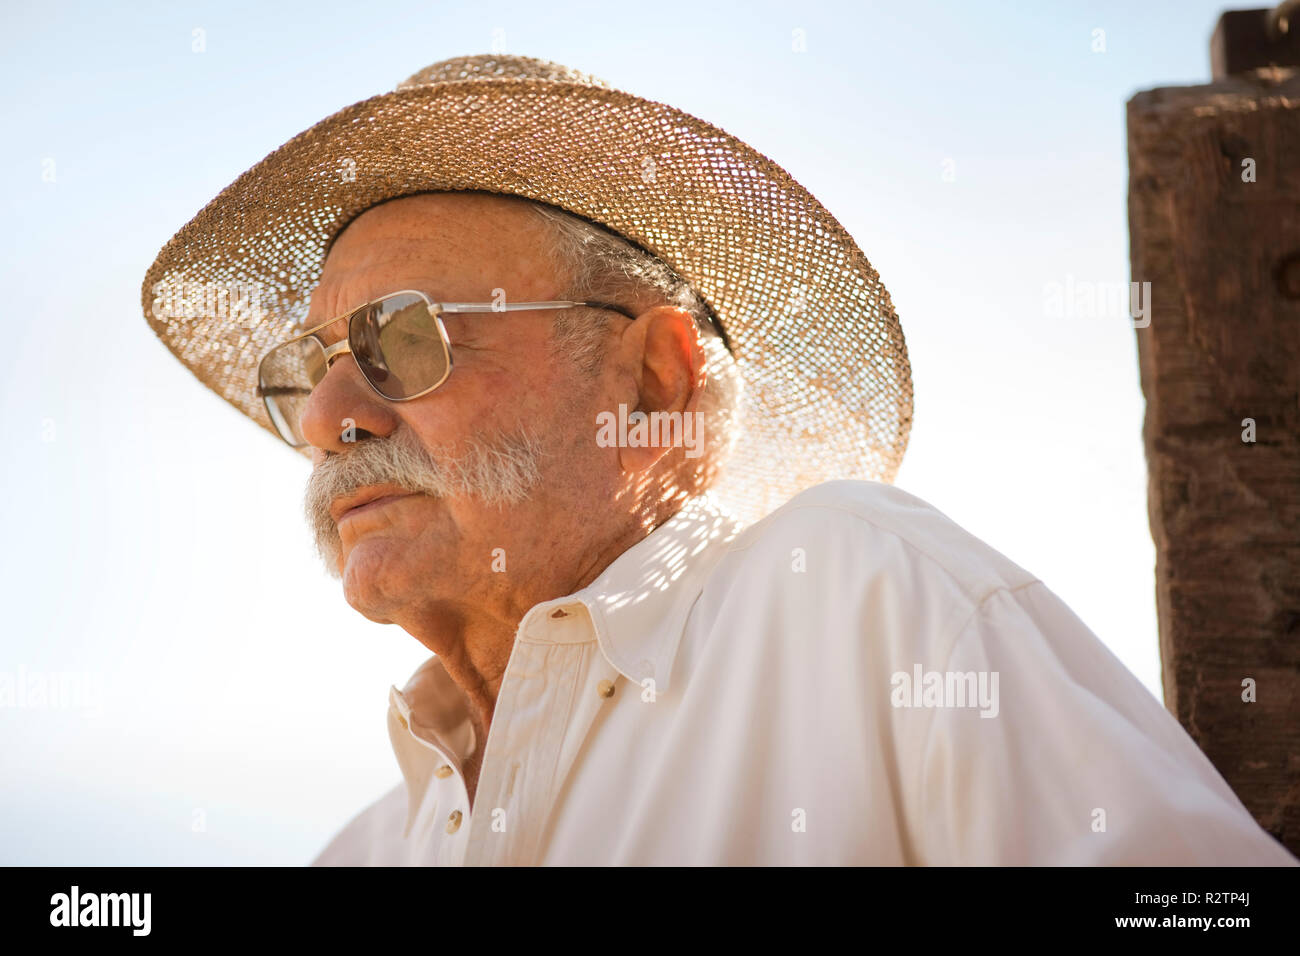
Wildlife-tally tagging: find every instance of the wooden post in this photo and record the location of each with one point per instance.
(1214, 221)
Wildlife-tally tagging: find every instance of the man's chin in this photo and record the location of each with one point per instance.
(367, 573)
(338, 557)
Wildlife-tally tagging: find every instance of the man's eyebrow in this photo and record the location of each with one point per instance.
(428, 288)
(419, 286)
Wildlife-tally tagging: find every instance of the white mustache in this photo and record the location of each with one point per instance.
(499, 471)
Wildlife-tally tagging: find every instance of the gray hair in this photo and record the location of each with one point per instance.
(603, 267)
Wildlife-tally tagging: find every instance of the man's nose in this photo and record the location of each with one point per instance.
(343, 408)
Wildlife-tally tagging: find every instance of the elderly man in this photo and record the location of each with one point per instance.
(529, 435)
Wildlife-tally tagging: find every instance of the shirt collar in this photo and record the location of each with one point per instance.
(638, 606)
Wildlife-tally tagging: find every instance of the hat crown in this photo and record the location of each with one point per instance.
(494, 66)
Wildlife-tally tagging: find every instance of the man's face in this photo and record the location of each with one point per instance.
(511, 414)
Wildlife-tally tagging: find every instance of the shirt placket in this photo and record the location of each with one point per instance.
(532, 719)
(435, 821)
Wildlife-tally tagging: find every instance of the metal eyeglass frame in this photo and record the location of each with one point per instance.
(437, 310)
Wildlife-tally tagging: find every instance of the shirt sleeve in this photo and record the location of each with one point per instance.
(373, 837)
(1067, 759)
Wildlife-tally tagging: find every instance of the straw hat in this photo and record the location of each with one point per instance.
(828, 391)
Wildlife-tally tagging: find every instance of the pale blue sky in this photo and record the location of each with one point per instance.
(155, 537)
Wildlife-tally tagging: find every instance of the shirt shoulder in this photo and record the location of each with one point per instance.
(373, 837)
(880, 529)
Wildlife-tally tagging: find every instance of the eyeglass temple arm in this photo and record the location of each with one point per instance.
(342, 344)
(566, 304)
(524, 306)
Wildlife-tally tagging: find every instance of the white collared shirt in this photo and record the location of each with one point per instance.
(852, 680)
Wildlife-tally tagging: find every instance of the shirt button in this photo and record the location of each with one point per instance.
(605, 688)
(453, 821)
(443, 772)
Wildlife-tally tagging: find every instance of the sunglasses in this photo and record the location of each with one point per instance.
(400, 345)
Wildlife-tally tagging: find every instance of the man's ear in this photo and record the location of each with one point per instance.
(670, 380)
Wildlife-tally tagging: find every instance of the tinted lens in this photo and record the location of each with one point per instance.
(286, 377)
(398, 346)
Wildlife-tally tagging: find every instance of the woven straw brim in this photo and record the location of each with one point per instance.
(828, 385)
